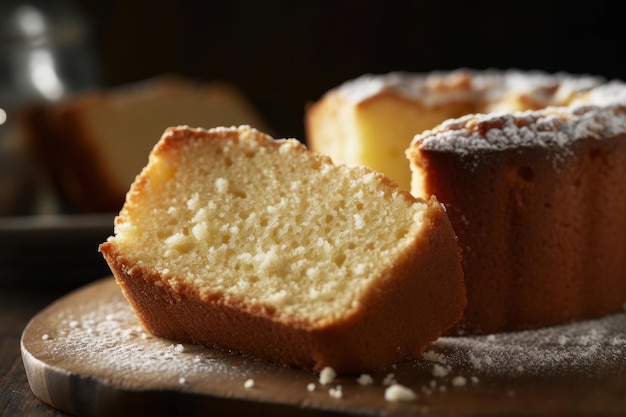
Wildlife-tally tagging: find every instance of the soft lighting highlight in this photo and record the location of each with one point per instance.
(44, 76)
(31, 21)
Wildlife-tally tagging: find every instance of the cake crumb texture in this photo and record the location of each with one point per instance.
(293, 259)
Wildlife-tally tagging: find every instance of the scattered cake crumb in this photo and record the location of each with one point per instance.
(249, 383)
(440, 371)
(182, 381)
(73, 324)
(397, 392)
(459, 381)
(327, 375)
(390, 379)
(179, 348)
(432, 356)
(45, 336)
(365, 379)
(310, 387)
(336, 392)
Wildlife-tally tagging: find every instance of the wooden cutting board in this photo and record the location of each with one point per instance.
(86, 354)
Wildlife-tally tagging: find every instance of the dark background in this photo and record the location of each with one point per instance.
(286, 53)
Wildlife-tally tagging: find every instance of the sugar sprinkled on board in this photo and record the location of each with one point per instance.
(365, 379)
(440, 371)
(581, 346)
(108, 338)
(459, 381)
(390, 379)
(432, 356)
(336, 392)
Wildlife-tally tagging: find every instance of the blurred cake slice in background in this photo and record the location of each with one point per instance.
(93, 144)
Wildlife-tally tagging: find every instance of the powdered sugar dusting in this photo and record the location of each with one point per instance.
(573, 106)
(579, 347)
(553, 128)
(109, 338)
(116, 342)
(100, 336)
(467, 85)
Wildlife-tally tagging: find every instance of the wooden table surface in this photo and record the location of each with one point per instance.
(41, 259)
(17, 305)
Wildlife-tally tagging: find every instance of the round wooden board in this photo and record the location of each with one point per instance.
(86, 354)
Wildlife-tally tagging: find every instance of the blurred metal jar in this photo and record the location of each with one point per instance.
(46, 53)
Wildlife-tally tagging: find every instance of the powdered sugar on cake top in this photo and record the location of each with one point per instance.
(572, 106)
(466, 85)
(551, 127)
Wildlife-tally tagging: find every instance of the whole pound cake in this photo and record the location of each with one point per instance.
(229, 238)
(538, 201)
(371, 120)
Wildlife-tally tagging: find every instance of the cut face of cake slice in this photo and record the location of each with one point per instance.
(230, 238)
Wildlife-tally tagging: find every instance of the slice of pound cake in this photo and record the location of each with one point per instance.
(231, 239)
(99, 139)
